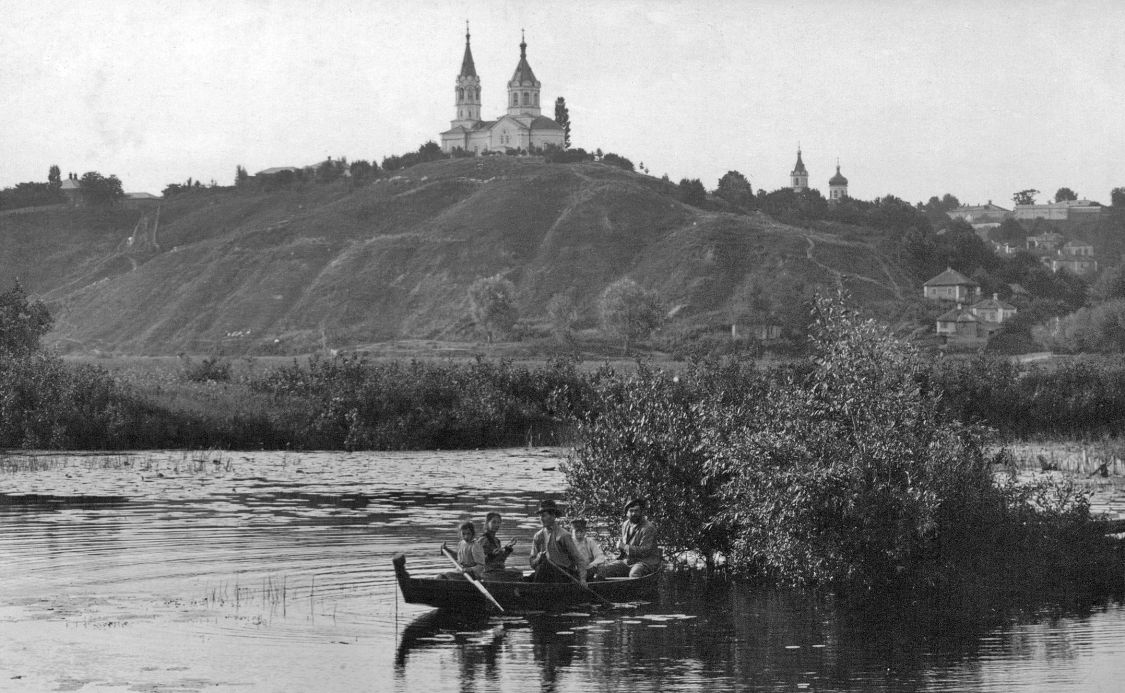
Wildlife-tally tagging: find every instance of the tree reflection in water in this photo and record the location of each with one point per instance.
(718, 636)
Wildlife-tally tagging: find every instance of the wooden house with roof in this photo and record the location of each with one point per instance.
(950, 285)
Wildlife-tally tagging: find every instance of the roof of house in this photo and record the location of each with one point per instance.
(950, 277)
(276, 169)
(968, 209)
(141, 196)
(958, 314)
(992, 304)
(70, 184)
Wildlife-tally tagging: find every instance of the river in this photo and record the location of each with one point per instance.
(217, 571)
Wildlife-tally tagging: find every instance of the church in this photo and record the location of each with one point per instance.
(522, 127)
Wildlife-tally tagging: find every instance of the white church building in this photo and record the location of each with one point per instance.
(522, 127)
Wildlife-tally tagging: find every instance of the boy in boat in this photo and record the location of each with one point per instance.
(638, 553)
(554, 555)
(490, 554)
(465, 557)
(591, 549)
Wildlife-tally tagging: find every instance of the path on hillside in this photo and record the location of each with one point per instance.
(893, 287)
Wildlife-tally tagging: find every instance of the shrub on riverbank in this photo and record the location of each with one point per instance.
(348, 402)
(848, 471)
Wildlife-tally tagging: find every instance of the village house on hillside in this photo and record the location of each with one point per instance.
(973, 326)
(980, 217)
(1067, 210)
(950, 285)
(523, 127)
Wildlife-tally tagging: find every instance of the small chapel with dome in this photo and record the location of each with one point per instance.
(522, 127)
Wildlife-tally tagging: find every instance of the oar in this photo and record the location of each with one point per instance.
(575, 580)
(469, 576)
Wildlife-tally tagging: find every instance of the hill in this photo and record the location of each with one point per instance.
(283, 271)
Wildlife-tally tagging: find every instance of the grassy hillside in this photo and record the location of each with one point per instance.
(283, 271)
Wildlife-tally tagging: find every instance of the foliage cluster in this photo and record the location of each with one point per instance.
(847, 471)
(492, 303)
(629, 311)
(1075, 398)
(352, 403)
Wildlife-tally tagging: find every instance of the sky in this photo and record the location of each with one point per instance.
(977, 98)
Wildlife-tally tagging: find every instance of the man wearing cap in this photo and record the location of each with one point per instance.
(638, 553)
(553, 550)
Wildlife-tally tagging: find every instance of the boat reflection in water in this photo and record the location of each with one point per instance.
(717, 636)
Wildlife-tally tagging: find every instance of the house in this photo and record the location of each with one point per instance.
(141, 200)
(1075, 264)
(960, 326)
(986, 214)
(1067, 210)
(993, 310)
(973, 326)
(950, 285)
(1079, 248)
(71, 189)
(1045, 241)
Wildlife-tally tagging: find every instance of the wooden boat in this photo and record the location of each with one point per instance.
(516, 595)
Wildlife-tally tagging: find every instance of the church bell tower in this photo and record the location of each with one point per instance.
(523, 89)
(467, 92)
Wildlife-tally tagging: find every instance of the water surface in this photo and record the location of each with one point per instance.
(269, 571)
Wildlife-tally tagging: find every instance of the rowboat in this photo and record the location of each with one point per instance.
(517, 595)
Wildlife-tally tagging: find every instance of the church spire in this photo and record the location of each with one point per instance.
(799, 177)
(468, 69)
(467, 89)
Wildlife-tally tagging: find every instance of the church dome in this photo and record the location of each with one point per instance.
(838, 179)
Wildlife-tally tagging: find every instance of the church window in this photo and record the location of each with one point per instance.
(515, 99)
(526, 100)
(536, 98)
(460, 94)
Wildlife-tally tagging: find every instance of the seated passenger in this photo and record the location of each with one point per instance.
(589, 547)
(638, 553)
(554, 555)
(465, 557)
(490, 555)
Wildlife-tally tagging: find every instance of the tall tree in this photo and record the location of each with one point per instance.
(692, 192)
(1025, 197)
(630, 311)
(735, 189)
(562, 117)
(1065, 195)
(22, 322)
(1117, 197)
(492, 302)
(562, 313)
(98, 190)
(240, 176)
(54, 178)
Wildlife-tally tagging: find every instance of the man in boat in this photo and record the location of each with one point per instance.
(554, 555)
(638, 553)
(590, 548)
(465, 557)
(490, 554)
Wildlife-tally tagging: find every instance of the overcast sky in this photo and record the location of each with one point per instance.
(979, 98)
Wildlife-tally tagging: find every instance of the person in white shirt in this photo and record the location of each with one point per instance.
(589, 547)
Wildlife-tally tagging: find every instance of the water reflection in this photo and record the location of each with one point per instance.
(272, 571)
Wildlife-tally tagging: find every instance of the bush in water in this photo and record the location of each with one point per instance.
(846, 470)
(855, 468)
(652, 433)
